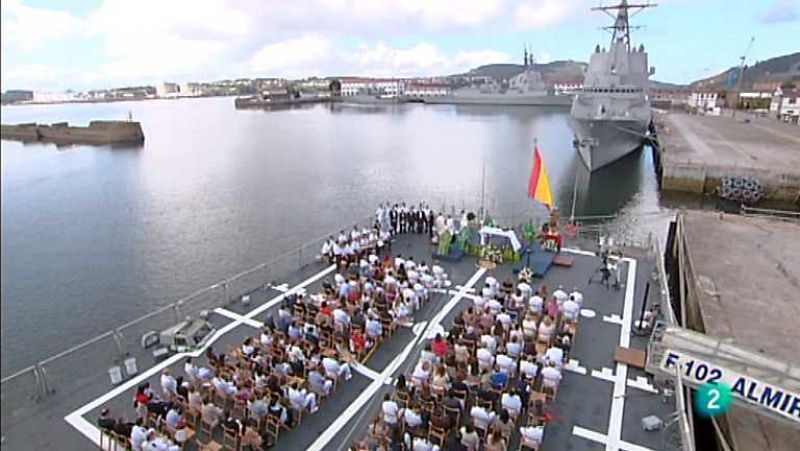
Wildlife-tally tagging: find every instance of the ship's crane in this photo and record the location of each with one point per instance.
(741, 75)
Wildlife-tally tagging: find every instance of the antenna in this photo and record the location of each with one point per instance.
(621, 30)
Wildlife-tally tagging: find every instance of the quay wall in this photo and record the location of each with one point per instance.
(97, 133)
(694, 153)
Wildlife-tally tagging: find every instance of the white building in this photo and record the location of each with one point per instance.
(166, 89)
(189, 89)
(422, 90)
(703, 100)
(53, 97)
(786, 106)
(386, 87)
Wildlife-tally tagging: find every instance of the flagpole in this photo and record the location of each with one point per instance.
(483, 190)
(574, 195)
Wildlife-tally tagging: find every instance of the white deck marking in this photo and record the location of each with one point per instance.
(578, 252)
(90, 431)
(354, 407)
(284, 287)
(235, 316)
(613, 319)
(606, 374)
(642, 384)
(604, 439)
(621, 382)
(613, 439)
(369, 372)
(574, 366)
(588, 313)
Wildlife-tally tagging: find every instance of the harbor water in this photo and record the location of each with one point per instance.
(95, 236)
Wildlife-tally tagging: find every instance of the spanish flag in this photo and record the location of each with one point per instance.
(539, 185)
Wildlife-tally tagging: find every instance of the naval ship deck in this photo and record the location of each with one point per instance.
(600, 402)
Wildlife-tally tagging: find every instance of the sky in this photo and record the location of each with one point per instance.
(51, 45)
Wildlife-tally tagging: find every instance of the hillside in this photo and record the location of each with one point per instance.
(779, 69)
(555, 69)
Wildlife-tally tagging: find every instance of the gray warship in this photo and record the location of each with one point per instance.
(526, 88)
(612, 113)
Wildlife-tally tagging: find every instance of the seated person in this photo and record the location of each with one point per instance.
(106, 422)
(532, 435)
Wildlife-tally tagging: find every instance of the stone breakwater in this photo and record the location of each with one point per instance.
(97, 133)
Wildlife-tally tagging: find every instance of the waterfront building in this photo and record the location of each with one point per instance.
(16, 96)
(53, 97)
(166, 89)
(703, 101)
(388, 87)
(189, 89)
(786, 105)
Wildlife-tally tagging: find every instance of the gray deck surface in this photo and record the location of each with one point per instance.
(583, 400)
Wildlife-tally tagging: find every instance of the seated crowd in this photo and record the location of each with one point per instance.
(303, 352)
(490, 376)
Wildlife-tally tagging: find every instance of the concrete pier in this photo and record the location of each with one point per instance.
(736, 278)
(697, 151)
(61, 133)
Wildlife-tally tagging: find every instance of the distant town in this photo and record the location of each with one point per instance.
(768, 87)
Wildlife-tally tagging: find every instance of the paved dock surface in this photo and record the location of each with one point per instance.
(698, 150)
(748, 275)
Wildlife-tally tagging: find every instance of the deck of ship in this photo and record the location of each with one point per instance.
(599, 405)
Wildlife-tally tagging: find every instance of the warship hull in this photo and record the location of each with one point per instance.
(602, 142)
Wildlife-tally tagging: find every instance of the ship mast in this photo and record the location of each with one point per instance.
(621, 30)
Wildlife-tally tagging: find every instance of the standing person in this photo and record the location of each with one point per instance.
(403, 217)
(412, 219)
(393, 219)
(430, 219)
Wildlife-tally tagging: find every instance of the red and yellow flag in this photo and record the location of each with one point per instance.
(539, 185)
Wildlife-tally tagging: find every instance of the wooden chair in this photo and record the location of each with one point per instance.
(206, 428)
(272, 427)
(439, 433)
(230, 438)
(210, 446)
(454, 414)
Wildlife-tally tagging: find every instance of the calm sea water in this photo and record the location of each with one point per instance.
(94, 236)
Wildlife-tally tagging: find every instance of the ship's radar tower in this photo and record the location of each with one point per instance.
(621, 30)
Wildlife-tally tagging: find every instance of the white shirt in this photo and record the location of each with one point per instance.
(511, 402)
(480, 415)
(536, 303)
(504, 318)
(577, 297)
(514, 348)
(525, 288)
(494, 305)
(168, 383)
(412, 418)
(489, 342)
(138, 436)
(391, 412)
(528, 368)
(570, 309)
(484, 355)
(190, 369)
(560, 296)
(554, 355)
(331, 366)
(551, 376)
(505, 362)
(341, 316)
(534, 434)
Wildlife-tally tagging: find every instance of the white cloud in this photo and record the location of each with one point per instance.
(315, 55)
(144, 41)
(543, 13)
(29, 29)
